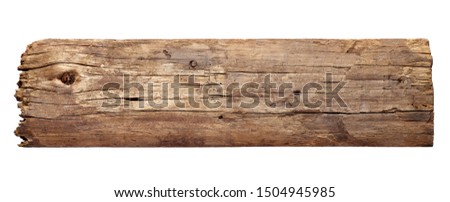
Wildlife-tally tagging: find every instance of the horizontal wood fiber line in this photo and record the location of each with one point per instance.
(385, 85)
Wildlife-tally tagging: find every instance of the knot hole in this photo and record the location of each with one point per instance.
(68, 78)
(193, 64)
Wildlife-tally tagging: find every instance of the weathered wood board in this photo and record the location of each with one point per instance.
(223, 92)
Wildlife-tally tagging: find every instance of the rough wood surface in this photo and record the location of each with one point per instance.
(386, 86)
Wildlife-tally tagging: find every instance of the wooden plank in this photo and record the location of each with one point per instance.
(374, 92)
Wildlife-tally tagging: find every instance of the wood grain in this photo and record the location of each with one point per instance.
(386, 86)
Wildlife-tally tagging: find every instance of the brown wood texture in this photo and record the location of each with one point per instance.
(386, 86)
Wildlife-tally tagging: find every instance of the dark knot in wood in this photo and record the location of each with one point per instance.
(193, 64)
(68, 78)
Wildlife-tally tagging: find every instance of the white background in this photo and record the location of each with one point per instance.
(91, 174)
